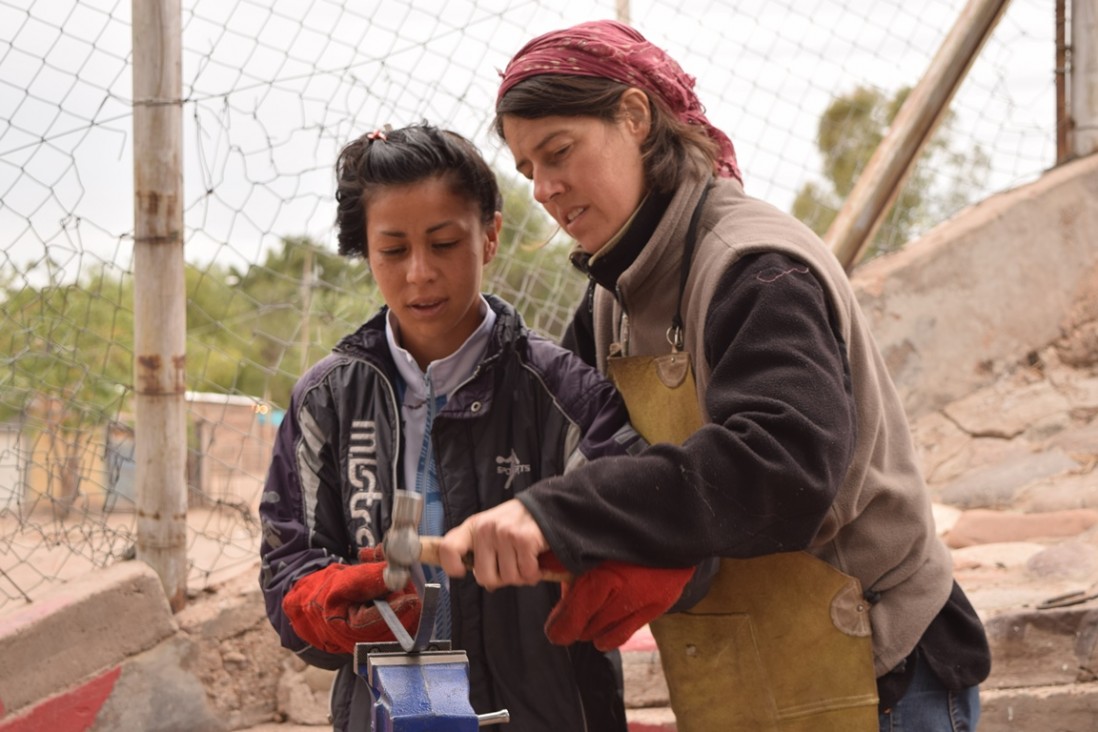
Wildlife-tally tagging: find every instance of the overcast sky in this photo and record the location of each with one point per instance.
(273, 88)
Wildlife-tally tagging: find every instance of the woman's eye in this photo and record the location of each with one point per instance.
(561, 152)
(445, 244)
(391, 251)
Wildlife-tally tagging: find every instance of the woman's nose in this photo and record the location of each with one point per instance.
(420, 266)
(545, 187)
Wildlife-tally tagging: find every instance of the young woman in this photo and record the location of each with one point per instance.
(447, 393)
(789, 457)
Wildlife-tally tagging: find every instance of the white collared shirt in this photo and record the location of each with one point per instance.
(440, 379)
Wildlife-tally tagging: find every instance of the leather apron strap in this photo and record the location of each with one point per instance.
(736, 660)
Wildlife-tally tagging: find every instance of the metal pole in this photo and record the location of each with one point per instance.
(1084, 77)
(623, 11)
(1063, 118)
(159, 294)
(884, 174)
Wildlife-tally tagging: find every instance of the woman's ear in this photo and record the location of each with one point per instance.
(635, 112)
(491, 233)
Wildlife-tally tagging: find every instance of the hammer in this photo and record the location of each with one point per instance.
(403, 546)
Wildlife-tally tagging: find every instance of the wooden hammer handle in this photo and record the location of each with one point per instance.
(428, 554)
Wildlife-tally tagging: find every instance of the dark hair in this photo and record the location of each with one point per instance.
(672, 151)
(386, 158)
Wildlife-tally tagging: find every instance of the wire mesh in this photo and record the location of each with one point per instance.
(272, 90)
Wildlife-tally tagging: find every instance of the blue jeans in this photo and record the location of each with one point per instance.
(930, 707)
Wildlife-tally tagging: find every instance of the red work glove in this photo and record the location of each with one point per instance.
(611, 602)
(332, 609)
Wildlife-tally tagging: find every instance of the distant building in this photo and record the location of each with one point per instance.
(230, 440)
(229, 447)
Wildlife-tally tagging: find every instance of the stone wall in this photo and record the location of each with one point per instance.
(956, 309)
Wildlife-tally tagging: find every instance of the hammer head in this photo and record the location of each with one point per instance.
(401, 542)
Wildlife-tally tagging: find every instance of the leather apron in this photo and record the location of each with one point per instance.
(780, 642)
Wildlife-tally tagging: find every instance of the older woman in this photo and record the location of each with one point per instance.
(779, 443)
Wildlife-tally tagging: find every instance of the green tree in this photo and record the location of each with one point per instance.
(66, 340)
(255, 331)
(68, 348)
(943, 180)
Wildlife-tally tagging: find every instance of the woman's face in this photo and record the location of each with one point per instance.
(587, 173)
(427, 248)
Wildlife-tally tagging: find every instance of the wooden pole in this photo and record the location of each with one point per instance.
(1084, 77)
(881, 181)
(159, 295)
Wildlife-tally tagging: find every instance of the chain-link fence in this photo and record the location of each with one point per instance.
(271, 91)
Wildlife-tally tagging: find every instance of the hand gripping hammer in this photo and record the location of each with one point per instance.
(404, 547)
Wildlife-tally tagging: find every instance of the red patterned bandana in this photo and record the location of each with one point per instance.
(612, 50)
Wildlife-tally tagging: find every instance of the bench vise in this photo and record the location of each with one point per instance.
(418, 683)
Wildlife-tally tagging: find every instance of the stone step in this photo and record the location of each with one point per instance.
(655, 719)
(645, 686)
(1063, 708)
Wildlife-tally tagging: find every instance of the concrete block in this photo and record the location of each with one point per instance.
(79, 629)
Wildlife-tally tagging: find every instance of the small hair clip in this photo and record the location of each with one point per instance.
(380, 134)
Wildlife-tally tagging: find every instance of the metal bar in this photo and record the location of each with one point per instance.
(426, 627)
(1063, 119)
(621, 10)
(881, 181)
(501, 717)
(1084, 77)
(395, 627)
